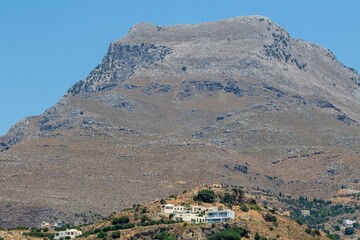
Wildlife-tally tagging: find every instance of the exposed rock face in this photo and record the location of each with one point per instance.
(170, 106)
(119, 64)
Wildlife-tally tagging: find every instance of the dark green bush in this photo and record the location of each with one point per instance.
(270, 218)
(259, 237)
(336, 228)
(227, 199)
(101, 234)
(256, 207)
(229, 234)
(120, 220)
(115, 234)
(243, 207)
(39, 234)
(349, 231)
(164, 236)
(207, 196)
(334, 236)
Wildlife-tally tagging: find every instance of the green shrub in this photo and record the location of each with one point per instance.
(312, 232)
(334, 236)
(270, 218)
(21, 228)
(229, 234)
(115, 234)
(39, 234)
(243, 207)
(164, 236)
(256, 207)
(336, 228)
(101, 234)
(206, 196)
(227, 199)
(123, 226)
(120, 220)
(349, 231)
(300, 222)
(259, 237)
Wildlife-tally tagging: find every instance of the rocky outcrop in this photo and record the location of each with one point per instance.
(15, 135)
(119, 64)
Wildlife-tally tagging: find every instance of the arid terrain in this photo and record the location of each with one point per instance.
(236, 101)
(146, 222)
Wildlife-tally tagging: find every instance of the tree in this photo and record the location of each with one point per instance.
(207, 196)
(239, 195)
(227, 199)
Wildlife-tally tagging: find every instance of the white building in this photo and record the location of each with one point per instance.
(45, 225)
(168, 209)
(72, 233)
(198, 214)
(305, 213)
(220, 216)
(348, 223)
(189, 217)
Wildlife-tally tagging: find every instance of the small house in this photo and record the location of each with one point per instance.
(348, 223)
(220, 216)
(305, 213)
(68, 233)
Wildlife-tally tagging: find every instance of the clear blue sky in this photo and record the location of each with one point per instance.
(48, 45)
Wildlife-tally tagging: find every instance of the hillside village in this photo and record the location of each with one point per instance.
(209, 212)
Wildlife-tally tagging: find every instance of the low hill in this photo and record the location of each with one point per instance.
(145, 222)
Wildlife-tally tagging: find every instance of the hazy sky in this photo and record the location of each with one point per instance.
(48, 45)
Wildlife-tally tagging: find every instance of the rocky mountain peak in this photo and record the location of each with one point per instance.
(250, 27)
(233, 101)
(147, 44)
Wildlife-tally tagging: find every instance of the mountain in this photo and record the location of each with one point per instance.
(236, 101)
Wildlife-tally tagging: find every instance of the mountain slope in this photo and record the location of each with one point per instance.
(232, 101)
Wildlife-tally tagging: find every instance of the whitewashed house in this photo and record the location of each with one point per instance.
(220, 216)
(189, 217)
(305, 213)
(198, 214)
(168, 209)
(348, 223)
(45, 225)
(72, 233)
